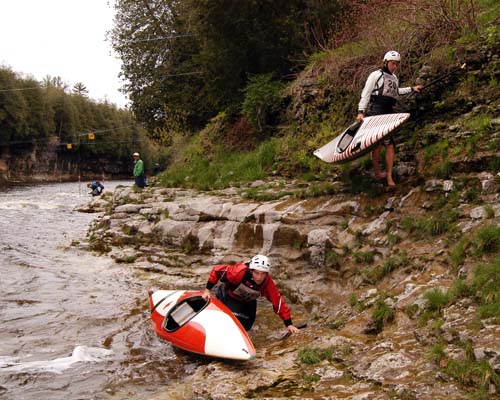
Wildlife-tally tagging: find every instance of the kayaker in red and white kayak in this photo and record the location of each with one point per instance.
(243, 284)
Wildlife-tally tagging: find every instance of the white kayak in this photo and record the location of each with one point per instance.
(358, 139)
(203, 327)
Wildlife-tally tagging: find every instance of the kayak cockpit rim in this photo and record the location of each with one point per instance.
(183, 312)
(347, 137)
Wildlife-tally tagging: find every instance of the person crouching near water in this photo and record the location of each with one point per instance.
(96, 188)
(379, 97)
(242, 284)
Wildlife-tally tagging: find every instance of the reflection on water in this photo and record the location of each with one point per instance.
(74, 325)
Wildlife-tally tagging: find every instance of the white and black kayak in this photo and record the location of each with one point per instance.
(358, 139)
(194, 324)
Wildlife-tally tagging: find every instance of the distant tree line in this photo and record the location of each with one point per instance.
(186, 61)
(36, 113)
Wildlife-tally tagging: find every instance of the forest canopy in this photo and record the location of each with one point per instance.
(36, 113)
(186, 61)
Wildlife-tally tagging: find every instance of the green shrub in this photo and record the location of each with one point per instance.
(478, 374)
(444, 170)
(411, 310)
(376, 274)
(434, 225)
(494, 164)
(489, 211)
(437, 150)
(457, 254)
(364, 257)
(314, 355)
(382, 314)
(436, 299)
(437, 353)
(478, 123)
(393, 238)
(488, 240)
(311, 378)
(262, 99)
(222, 170)
(333, 259)
(353, 300)
(485, 286)
(460, 289)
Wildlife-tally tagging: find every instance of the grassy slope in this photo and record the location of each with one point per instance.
(204, 162)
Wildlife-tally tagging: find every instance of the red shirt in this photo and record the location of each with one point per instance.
(233, 275)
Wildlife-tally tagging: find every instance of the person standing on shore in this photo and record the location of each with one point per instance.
(379, 97)
(139, 177)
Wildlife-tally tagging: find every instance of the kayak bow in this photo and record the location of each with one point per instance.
(191, 323)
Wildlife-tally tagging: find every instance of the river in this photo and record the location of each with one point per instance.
(74, 325)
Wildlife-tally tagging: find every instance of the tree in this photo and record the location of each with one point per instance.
(13, 108)
(185, 61)
(80, 89)
(54, 82)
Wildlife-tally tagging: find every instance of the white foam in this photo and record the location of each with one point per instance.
(58, 365)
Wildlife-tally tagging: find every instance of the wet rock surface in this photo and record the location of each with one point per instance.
(336, 259)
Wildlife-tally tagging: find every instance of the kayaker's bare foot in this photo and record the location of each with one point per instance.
(391, 184)
(380, 175)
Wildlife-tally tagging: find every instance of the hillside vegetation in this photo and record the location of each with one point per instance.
(269, 121)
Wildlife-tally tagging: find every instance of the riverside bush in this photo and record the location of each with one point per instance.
(485, 288)
(262, 99)
(488, 240)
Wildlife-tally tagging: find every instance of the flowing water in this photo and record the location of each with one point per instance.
(73, 325)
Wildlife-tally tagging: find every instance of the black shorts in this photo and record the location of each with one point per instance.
(378, 109)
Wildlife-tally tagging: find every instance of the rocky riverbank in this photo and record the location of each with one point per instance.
(358, 268)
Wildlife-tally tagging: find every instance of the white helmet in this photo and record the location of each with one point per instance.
(392, 56)
(260, 263)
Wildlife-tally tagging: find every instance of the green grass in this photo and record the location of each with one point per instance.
(437, 353)
(376, 274)
(333, 259)
(314, 355)
(488, 240)
(382, 314)
(458, 254)
(224, 169)
(476, 374)
(443, 170)
(437, 150)
(478, 123)
(489, 211)
(437, 299)
(435, 225)
(363, 257)
(485, 286)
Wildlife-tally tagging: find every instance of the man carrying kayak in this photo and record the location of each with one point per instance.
(379, 97)
(242, 285)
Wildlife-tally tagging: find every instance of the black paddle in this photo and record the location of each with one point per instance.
(299, 326)
(440, 78)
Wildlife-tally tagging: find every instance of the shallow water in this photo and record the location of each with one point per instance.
(74, 325)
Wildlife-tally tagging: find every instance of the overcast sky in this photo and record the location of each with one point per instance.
(63, 38)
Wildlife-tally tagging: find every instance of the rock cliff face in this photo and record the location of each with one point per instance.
(37, 163)
(357, 268)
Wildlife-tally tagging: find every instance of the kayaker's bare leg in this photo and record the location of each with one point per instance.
(376, 162)
(389, 162)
